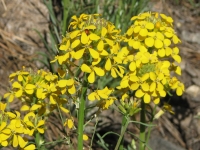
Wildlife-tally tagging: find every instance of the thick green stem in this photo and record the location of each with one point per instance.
(142, 127)
(125, 123)
(81, 113)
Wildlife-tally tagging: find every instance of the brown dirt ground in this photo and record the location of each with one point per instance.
(19, 42)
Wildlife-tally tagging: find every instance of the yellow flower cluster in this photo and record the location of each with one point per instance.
(40, 94)
(93, 46)
(150, 41)
(14, 130)
(41, 91)
(95, 43)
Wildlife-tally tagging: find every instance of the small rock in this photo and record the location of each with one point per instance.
(158, 143)
(186, 122)
(194, 92)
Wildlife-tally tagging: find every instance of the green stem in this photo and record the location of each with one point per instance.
(151, 127)
(125, 123)
(81, 111)
(142, 127)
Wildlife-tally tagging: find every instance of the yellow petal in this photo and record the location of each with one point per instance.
(147, 98)
(6, 131)
(15, 141)
(149, 26)
(103, 31)
(35, 107)
(75, 43)
(3, 125)
(99, 71)
(179, 91)
(149, 41)
(92, 96)
(65, 110)
(79, 54)
(40, 123)
(93, 53)
(30, 147)
(29, 88)
(113, 73)
(4, 143)
(94, 37)
(84, 38)
(145, 87)
(177, 58)
(16, 85)
(158, 43)
(108, 65)
(72, 90)
(136, 44)
(41, 130)
(2, 106)
(74, 34)
(161, 52)
(152, 86)
(156, 100)
(132, 66)
(139, 93)
(85, 68)
(143, 32)
(17, 94)
(134, 86)
(100, 45)
(22, 142)
(91, 77)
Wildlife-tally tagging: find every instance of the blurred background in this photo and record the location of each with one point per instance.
(30, 31)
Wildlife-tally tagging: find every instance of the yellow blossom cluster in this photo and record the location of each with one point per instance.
(14, 130)
(41, 91)
(40, 94)
(151, 39)
(93, 45)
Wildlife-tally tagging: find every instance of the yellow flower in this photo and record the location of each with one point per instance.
(85, 137)
(98, 94)
(175, 55)
(142, 28)
(87, 47)
(102, 39)
(33, 123)
(69, 123)
(11, 96)
(155, 39)
(92, 70)
(5, 133)
(69, 84)
(77, 21)
(20, 75)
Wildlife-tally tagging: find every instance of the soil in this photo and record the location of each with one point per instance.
(19, 43)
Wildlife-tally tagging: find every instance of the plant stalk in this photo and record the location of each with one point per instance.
(81, 112)
(125, 122)
(142, 127)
